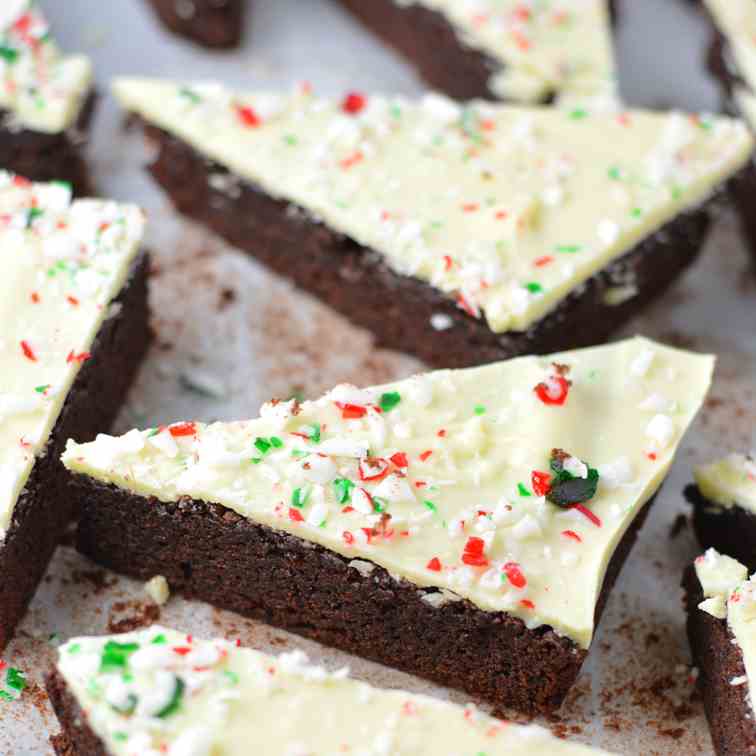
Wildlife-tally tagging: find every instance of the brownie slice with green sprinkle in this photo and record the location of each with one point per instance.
(465, 526)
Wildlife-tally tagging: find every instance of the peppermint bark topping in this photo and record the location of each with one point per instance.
(446, 480)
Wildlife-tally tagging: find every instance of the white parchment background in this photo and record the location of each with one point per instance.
(231, 335)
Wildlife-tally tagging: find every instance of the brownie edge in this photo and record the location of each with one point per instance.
(744, 191)
(212, 23)
(77, 738)
(46, 505)
(46, 157)
(719, 660)
(729, 530)
(210, 553)
(403, 312)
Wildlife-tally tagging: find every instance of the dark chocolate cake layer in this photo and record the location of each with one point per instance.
(399, 310)
(212, 23)
(210, 553)
(719, 660)
(730, 531)
(77, 738)
(47, 505)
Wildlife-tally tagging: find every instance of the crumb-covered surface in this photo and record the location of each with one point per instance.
(230, 336)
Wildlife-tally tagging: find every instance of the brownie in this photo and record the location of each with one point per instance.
(431, 43)
(78, 738)
(719, 660)
(41, 156)
(743, 191)
(210, 553)
(212, 23)
(400, 310)
(730, 531)
(47, 505)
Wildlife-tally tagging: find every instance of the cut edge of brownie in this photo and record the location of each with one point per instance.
(430, 42)
(744, 191)
(729, 530)
(47, 504)
(402, 312)
(719, 660)
(210, 23)
(213, 554)
(77, 737)
(44, 157)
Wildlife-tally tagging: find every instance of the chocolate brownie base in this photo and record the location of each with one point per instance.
(743, 191)
(46, 505)
(212, 23)
(48, 157)
(400, 310)
(719, 660)
(78, 738)
(210, 553)
(730, 531)
(429, 41)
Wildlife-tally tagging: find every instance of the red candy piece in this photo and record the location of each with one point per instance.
(351, 411)
(399, 459)
(248, 116)
(553, 391)
(183, 429)
(541, 482)
(514, 575)
(354, 103)
(373, 469)
(473, 554)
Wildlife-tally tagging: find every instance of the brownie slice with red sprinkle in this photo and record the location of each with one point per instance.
(465, 526)
(502, 49)
(46, 102)
(73, 307)
(113, 693)
(464, 234)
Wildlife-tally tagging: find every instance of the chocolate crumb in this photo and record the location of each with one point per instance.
(143, 616)
(679, 524)
(674, 733)
(227, 298)
(100, 580)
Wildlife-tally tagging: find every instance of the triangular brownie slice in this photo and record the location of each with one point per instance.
(212, 23)
(464, 234)
(463, 525)
(46, 100)
(507, 49)
(162, 691)
(73, 308)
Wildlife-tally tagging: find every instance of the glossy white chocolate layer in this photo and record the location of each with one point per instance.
(42, 89)
(729, 481)
(64, 262)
